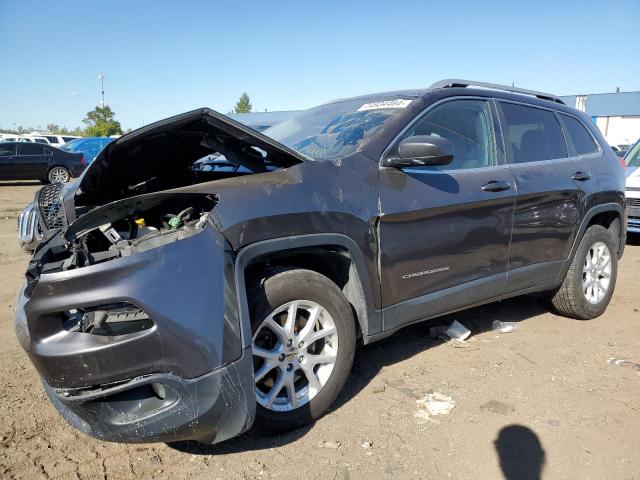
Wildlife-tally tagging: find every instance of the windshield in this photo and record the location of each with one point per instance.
(336, 130)
(632, 159)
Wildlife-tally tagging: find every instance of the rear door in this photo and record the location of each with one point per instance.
(549, 182)
(31, 161)
(444, 230)
(7, 155)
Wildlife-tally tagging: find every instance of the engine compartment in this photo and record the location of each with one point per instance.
(122, 229)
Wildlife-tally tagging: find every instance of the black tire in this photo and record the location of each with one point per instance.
(288, 285)
(58, 170)
(570, 300)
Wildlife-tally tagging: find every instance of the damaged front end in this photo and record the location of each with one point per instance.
(130, 312)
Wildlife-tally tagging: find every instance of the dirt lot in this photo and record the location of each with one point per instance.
(542, 398)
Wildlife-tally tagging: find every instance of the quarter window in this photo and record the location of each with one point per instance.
(579, 139)
(532, 134)
(467, 125)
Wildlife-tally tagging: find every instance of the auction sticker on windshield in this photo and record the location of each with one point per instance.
(398, 103)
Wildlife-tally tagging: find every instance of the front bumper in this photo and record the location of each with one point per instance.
(107, 385)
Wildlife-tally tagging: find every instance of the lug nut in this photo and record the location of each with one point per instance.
(281, 357)
(289, 367)
(300, 344)
(301, 358)
(289, 342)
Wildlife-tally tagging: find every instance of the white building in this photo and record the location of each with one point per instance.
(617, 115)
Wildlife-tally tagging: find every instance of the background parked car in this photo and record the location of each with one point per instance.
(56, 140)
(632, 192)
(30, 160)
(89, 146)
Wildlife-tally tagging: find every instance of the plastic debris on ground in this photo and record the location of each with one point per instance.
(329, 444)
(625, 362)
(433, 405)
(457, 332)
(504, 327)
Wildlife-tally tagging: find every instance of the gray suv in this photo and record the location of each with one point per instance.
(166, 301)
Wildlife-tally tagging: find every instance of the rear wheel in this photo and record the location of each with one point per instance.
(58, 174)
(303, 347)
(590, 281)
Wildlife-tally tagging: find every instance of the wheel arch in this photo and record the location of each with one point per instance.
(611, 216)
(342, 262)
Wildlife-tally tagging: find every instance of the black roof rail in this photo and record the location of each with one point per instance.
(456, 82)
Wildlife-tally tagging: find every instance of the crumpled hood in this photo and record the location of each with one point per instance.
(163, 152)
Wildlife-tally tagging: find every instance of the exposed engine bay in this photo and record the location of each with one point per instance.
(121, 229)
(127, 200)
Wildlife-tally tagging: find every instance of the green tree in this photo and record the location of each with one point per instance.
(101, 122)
(244, 104)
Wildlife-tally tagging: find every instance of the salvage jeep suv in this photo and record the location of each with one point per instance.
(166, 301)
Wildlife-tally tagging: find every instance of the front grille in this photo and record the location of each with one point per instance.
(633, 202)
(50, 204)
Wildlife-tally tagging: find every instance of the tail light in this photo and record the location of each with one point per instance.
(624, 165)
(82, 159)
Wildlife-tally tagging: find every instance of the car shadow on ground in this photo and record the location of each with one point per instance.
(633, 239)
(370, 360)
(8, 183)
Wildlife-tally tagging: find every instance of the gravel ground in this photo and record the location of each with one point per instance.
(542, 401)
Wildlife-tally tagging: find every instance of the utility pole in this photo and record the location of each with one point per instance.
(102, 77)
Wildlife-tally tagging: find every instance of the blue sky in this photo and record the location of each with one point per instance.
(163, 58)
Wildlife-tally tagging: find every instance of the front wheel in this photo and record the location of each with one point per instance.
(303, 347)
(591, 279)
(58, 175)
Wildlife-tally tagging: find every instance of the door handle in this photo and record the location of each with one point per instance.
(496, 186)
(581, 176)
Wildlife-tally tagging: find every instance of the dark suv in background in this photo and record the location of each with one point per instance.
(167, 301)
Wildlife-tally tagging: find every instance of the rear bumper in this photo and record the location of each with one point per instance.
(108, 385)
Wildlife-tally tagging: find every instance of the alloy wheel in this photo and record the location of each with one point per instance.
(58, 175)
(294, 352)
(596, 273)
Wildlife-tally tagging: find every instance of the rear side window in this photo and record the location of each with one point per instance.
(30, 149)
(579, 139)
(532, 134)
(52, 139)
(68, 139)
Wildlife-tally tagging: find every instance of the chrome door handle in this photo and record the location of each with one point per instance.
(581, 176)
(496, 186)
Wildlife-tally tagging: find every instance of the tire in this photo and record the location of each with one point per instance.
(577, 297)
(331, 336)
(58, 174)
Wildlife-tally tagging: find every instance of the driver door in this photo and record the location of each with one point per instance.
(445, 230)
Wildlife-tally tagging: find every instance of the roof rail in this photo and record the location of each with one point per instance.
(455, 82)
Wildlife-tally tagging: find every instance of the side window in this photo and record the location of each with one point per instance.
(580, 140)
(30, 149)
(532, 134)
(7, 150)
(52, 139)
(467, 125)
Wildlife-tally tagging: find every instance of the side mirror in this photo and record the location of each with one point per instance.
(421, 150)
